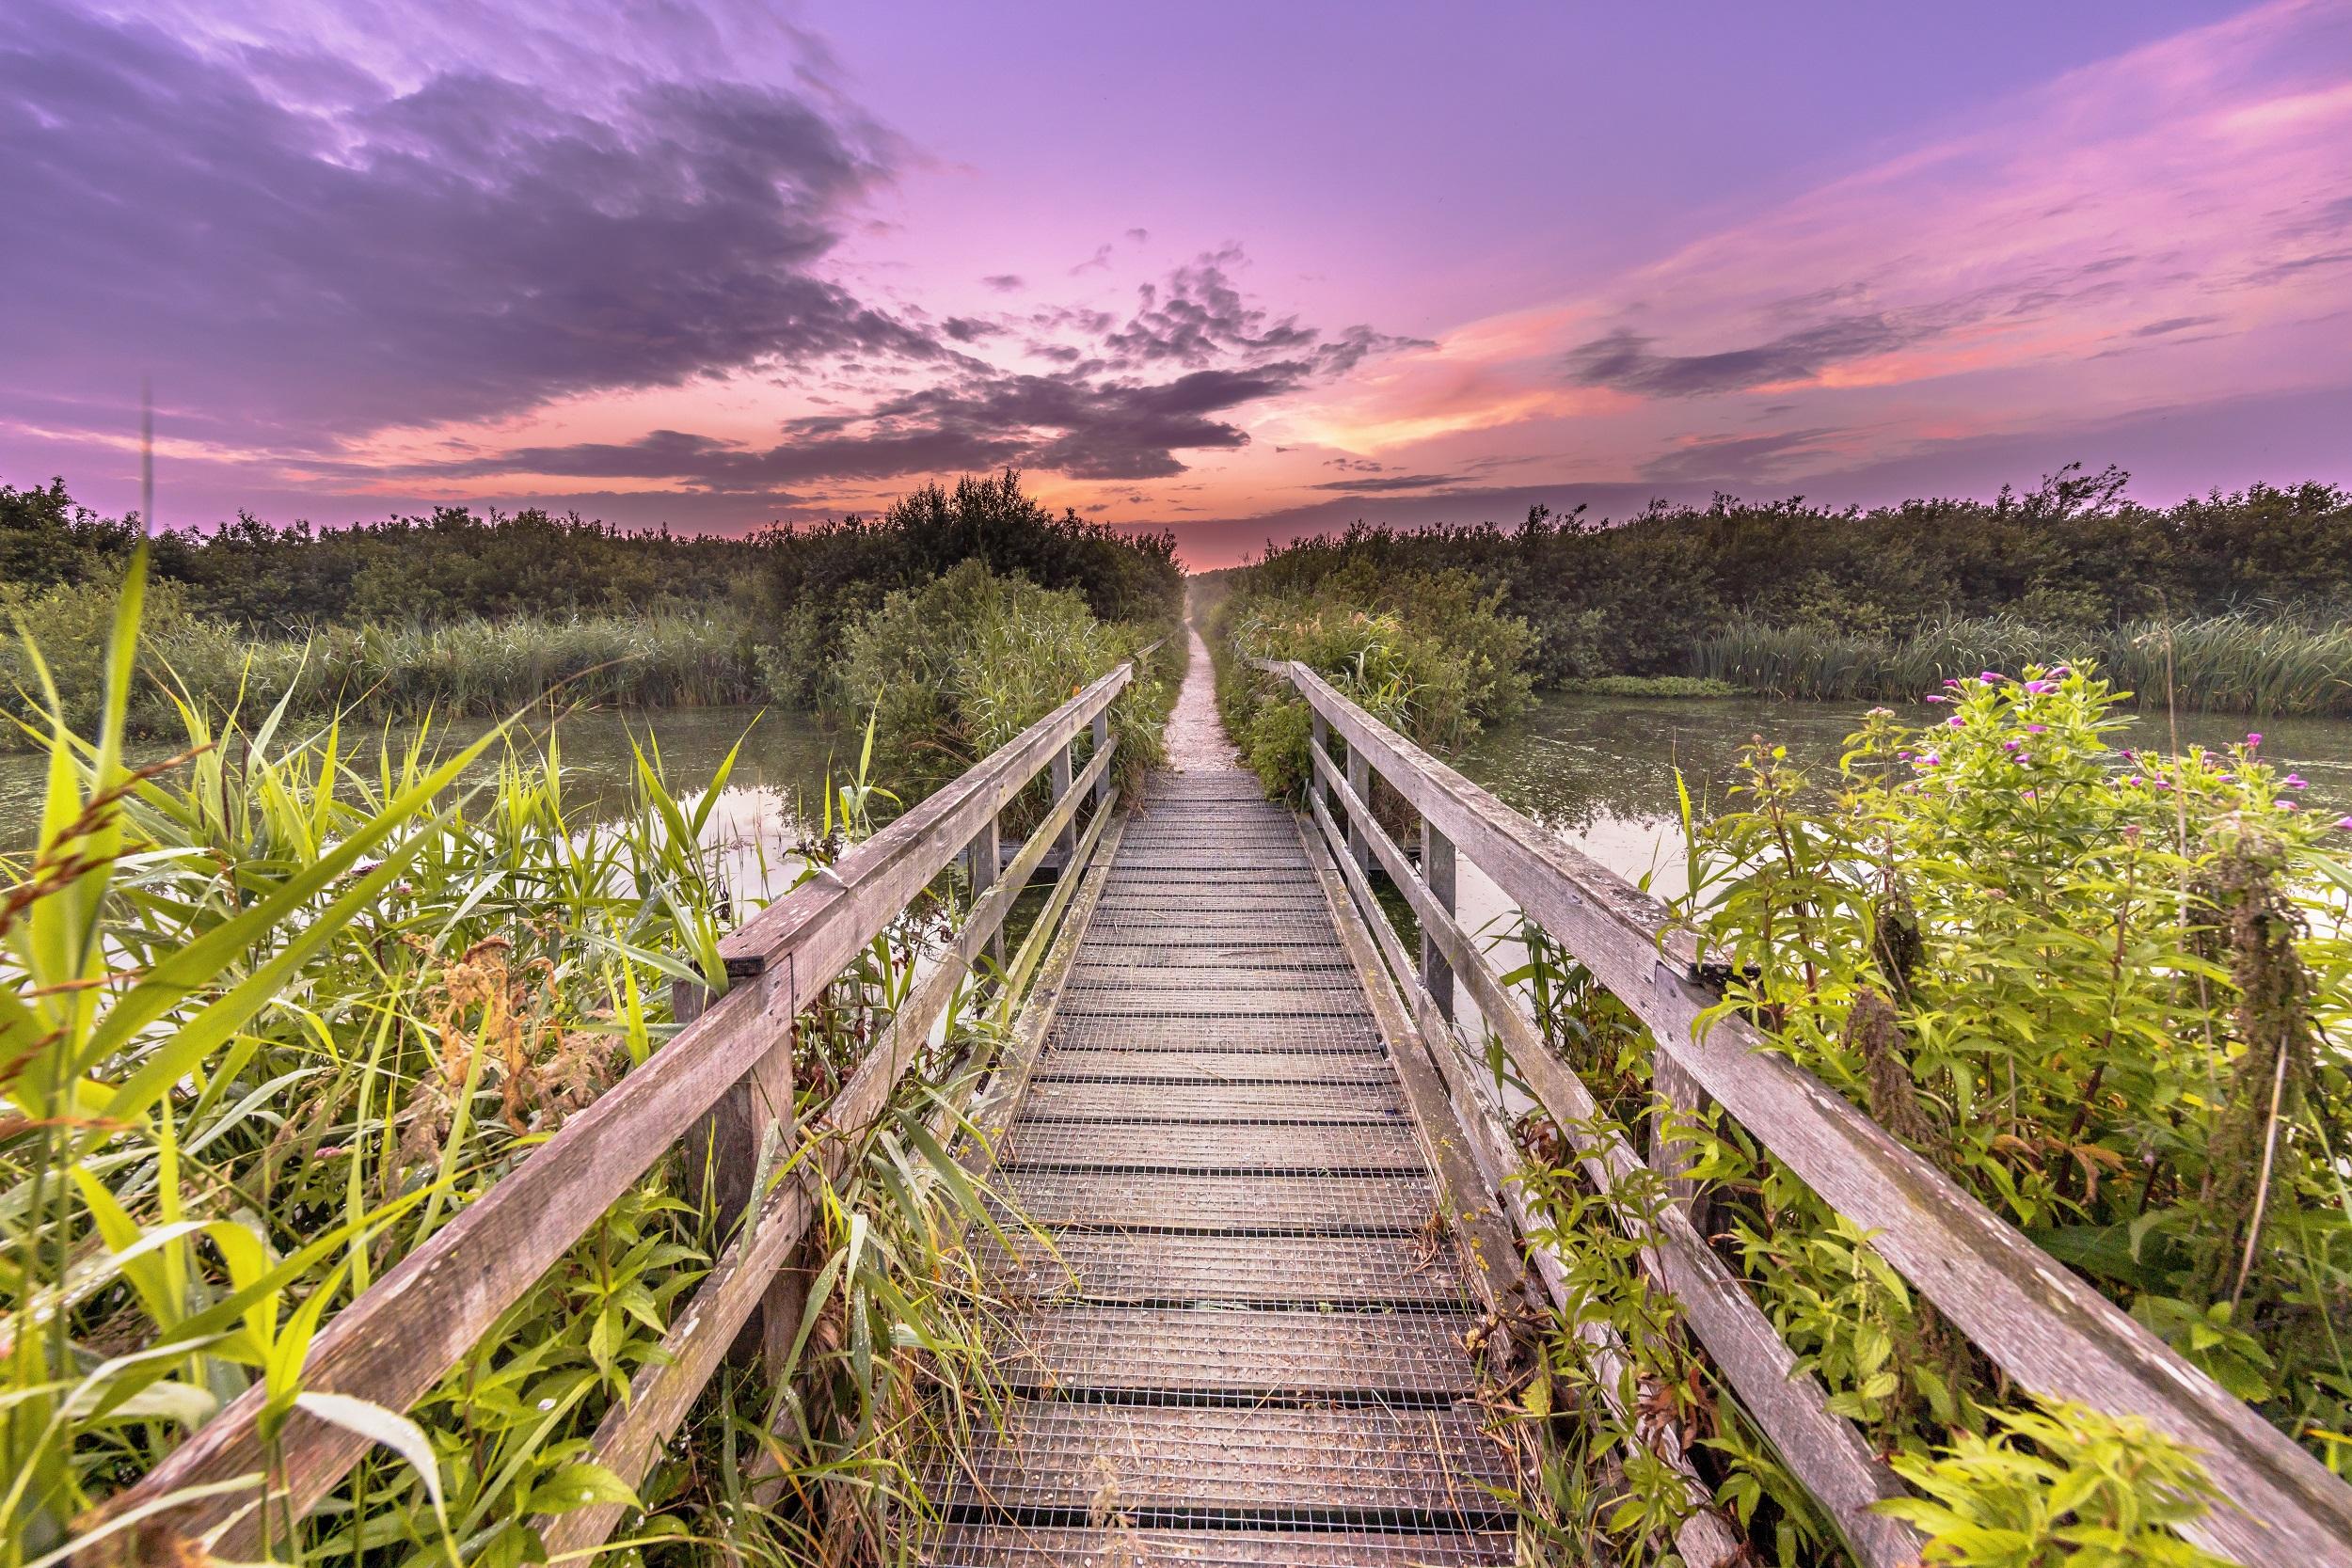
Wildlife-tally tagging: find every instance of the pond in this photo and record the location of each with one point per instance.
(1601, 771)
(1597, 771)
(777, 783)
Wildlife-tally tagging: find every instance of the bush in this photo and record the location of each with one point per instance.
(954, 670)
(1427, 653)
(2092, 984)
(823, 581)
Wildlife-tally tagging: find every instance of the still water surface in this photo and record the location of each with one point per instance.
(1597, 771)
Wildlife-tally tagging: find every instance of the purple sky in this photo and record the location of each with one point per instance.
(1242, 270)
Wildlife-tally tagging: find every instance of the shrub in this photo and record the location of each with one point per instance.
(955, 668)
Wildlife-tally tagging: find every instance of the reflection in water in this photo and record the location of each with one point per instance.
(775, 786)
(1601, 771)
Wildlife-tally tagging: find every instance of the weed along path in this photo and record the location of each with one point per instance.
(1242, 1335)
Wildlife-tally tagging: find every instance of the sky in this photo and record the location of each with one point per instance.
(1241, 271)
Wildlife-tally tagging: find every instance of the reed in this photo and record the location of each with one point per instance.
(2222, 663)
(275, 1010)
(471, 666)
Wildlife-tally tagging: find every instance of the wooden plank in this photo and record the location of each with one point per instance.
(999, 1545)
(1146, 1266)
(2041, 1323)
(1195, 978)
(1060, 774)
(1215, 954)
(1244, 1353)
(1049, 1457)
(1368, 1065)
(1309, 1150)
(1083, 1100)
(1326, 1203)
(1099, 1002)
(1238, 1034)
(1437, 873)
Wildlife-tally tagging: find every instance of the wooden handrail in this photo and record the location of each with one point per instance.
(397, 1339)
(2031, 1316)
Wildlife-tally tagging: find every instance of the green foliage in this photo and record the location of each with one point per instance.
(824, 580)
(464, 666)
(2090, 984)
(2059, 1487)
(448, 565)
(1672, 688)
(1427, 653)
(953, 670)
(273, 1012)
(2224, 663)
(2097, 987)
(1645, 596)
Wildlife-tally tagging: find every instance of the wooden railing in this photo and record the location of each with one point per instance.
(2043, 1327)
(723, 1084)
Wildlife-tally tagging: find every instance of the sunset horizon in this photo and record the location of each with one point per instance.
(736, 269)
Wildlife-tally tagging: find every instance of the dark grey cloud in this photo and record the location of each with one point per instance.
(1197, 316)
(1624, 361)
(2172, 323)
(465, 249)
(1355, 464)
(1392, 482)
(301, 255)
(1115, 430)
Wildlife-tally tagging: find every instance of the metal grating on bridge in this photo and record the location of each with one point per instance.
(1242, 1338)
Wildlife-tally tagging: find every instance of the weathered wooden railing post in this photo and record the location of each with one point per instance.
(1359, 780)
(1101, 744)
(1437, 874)
(1068, 841)
(1681, 1102)
(725, 1151)
(986, 859)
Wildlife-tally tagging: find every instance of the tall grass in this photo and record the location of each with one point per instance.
(2224, 663)
(469, 666)
(269, 1018)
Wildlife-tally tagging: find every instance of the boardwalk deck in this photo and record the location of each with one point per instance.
(1242, 1339)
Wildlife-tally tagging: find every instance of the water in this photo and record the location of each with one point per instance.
(1597, 771)
(1600, 771)
(776, 785)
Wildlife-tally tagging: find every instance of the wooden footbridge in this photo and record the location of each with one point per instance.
(1266, 1255)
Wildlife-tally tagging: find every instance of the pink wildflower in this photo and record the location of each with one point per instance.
(2040, 688)
(2037, 729)
(2345, 823)
(1990, 677)
(2255, 739)
(2285, 806)
(2133, 779)
(2295, 780)
(1937, 697)
(1956, 721)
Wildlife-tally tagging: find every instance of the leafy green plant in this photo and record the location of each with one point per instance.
(2061, 1486)
(276, 1009)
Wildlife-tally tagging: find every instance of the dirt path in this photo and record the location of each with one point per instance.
(1196, 742)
